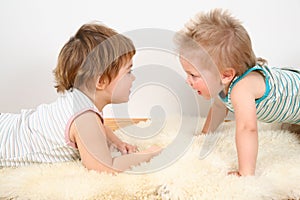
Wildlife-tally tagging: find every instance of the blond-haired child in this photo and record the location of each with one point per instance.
(216, 54)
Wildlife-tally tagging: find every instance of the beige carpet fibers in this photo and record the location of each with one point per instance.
(188, 177)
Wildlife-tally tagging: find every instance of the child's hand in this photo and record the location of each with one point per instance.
(126, 148)
(235, 173)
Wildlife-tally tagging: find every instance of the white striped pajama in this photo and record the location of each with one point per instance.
(41, 135)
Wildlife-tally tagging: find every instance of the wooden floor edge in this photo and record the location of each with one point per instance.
(116, 123)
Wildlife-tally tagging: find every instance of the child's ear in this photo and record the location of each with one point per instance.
(227, 75)
(102, 83)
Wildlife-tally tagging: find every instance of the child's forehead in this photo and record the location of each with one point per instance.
(200, 61)
(196, 59)
(126, 61)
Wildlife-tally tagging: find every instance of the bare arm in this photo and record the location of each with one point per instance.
(215, 117)
(243, 98)
(90, 137)
(111, 136)
(123, 147)
(246, 135)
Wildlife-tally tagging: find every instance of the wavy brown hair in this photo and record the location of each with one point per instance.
(95, 50)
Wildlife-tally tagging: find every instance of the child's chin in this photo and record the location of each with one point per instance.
(125, 100)
(206, 97)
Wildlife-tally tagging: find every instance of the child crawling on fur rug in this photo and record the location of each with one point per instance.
(216, 54)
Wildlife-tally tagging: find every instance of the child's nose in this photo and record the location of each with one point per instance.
(188, 81)
(133, 77)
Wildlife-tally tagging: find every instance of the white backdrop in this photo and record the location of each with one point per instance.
(33, 32)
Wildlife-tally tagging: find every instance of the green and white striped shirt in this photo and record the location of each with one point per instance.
(281, 101)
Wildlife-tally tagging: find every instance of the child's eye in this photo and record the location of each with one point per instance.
(195, 76)
(130, 71)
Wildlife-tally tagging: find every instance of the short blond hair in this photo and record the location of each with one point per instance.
(223, 37)
(95, 50)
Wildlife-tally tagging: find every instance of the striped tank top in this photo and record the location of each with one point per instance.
(281, 101)
(42, 135)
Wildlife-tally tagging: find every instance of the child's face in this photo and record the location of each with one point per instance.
(206, 82)
(120, 86)
(195, 80)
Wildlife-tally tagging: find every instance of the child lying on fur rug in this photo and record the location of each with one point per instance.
(93, 70)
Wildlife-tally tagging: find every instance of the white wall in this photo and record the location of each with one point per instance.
(33, 32)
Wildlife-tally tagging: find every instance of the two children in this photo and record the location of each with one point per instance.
(93, 70)
(217, 56)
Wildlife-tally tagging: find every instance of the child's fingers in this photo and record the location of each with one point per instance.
(124, 151)
(122, 148)
(126, 148)
(235, 173)
(131, 148)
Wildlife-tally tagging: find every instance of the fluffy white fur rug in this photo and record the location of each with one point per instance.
(277, 174)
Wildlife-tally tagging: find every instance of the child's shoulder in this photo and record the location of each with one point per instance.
(252, 79)
(252, 84)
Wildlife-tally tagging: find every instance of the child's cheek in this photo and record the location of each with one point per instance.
(213, 83)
